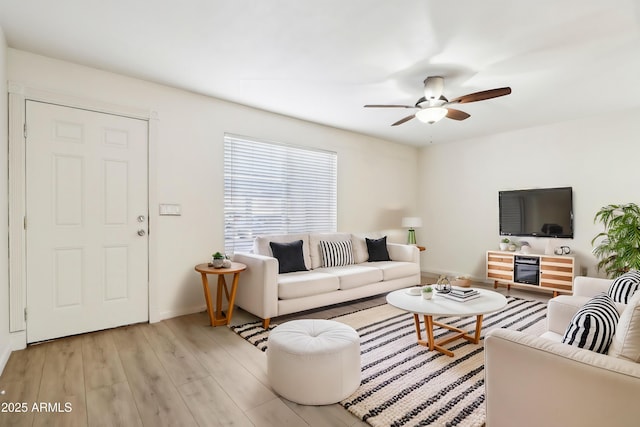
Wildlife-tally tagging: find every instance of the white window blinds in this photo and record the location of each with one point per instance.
(272, 188)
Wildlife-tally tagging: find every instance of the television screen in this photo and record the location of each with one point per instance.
(545, 212)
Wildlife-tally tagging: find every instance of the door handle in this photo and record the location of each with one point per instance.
(141, 232)
(141, 218)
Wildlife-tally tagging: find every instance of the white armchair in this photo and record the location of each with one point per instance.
(538, 381)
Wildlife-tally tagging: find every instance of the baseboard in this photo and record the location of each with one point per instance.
(4, 357)
(182, 312)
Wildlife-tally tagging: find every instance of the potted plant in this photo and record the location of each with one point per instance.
(427, 292)
(618, 245)
(504, 244)
(217, 260)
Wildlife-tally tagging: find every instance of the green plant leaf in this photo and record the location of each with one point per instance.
(618, 246)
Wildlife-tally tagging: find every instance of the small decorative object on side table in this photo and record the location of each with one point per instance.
(218, 318)
(217, 260)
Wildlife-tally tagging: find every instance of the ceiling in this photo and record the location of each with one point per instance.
(322, 61)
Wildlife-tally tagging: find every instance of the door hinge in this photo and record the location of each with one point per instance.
(25, 131)
(24, 222)
(25, 314)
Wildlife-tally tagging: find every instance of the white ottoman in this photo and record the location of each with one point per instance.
(314, 361)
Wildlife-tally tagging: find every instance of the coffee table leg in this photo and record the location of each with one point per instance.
(428, 326)
(416, 320)
(476, 338)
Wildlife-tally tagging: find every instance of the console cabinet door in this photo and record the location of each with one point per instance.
(500, 266)
(557, 273)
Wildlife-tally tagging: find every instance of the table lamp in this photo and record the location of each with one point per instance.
(411, 222)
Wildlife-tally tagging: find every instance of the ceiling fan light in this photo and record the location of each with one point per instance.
(431, 114)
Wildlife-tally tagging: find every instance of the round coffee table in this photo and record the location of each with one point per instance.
(488, 302)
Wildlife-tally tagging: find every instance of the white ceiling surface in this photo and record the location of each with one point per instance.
(322, 61)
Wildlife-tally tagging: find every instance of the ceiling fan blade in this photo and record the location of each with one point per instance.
(457, 114)
(481, 96)
(388, 106)
(406, 119)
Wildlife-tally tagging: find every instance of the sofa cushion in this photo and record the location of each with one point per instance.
(395, 269)
(289, 256)
(354, 276)
(336, 254)
(377, 249)
(315, 255)
(626, 341)
(593, 326)
(261, 245)
(307, 283)
(624, 286)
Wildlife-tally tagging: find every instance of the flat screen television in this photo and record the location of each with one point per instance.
(541, 212)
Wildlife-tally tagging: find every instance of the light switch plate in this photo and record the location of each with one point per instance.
(170, 209)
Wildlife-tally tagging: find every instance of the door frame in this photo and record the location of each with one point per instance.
(18, 96)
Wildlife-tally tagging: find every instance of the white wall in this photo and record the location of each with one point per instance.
(4, 213)
(459, 184)
(376, 179)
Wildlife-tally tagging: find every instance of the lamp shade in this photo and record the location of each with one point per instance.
(431, 114)
(411, 222)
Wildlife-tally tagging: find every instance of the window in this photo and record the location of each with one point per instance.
(272, 188)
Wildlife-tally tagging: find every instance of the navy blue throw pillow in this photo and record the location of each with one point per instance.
(377, 249)
(289, 256)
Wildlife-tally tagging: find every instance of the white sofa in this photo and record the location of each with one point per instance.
(539, 381)
(265, 293)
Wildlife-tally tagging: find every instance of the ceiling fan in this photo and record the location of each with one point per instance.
(433, 106)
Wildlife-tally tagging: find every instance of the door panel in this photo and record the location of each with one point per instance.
(86, 175)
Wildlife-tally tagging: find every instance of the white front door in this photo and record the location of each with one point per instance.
(86, 221)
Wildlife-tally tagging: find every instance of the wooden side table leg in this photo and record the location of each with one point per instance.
(221, 284)
(232, 297)
(207, 297)
(476, 338)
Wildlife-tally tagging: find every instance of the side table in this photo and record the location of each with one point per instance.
(219, 318)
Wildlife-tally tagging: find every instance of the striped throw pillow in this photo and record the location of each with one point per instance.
(594, 325)
(623, 287)
(335, 254)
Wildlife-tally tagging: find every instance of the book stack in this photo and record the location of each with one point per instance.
(461, 294)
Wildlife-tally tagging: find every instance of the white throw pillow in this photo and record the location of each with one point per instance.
(626, 341)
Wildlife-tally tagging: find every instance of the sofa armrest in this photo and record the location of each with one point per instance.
(532, 381)
(400, 252)
(590, 286)
(561, 309)
(258, 285)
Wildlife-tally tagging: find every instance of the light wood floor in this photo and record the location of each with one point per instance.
(178, 372)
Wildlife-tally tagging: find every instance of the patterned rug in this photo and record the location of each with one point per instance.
(405, 384)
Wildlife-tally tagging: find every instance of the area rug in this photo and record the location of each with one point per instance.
(405, 384)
